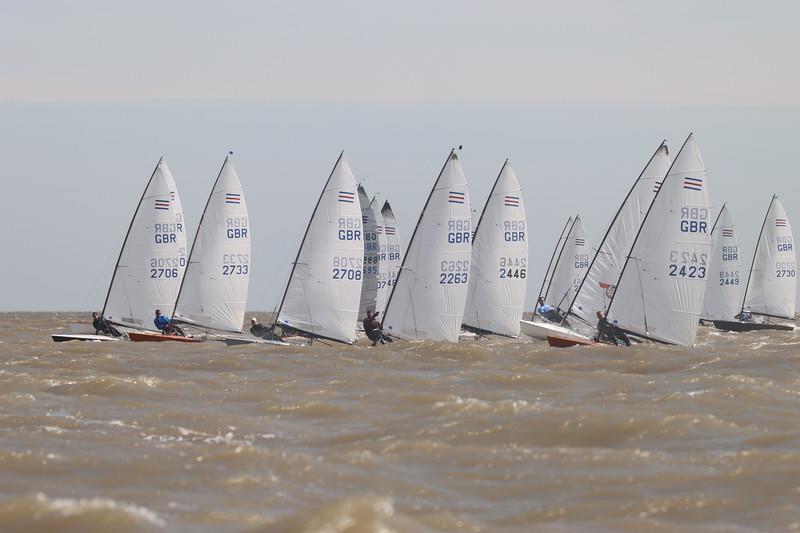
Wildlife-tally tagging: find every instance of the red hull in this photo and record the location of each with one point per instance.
(558, 342)
(159, 337)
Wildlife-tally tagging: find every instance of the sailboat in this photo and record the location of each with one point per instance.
(724, 288)
(769, 296)
(428, 298)
(499, 270)
(152, 260)
(391, 253)
(374, 241)
(658, 296)
(323, 293)
(564, 274)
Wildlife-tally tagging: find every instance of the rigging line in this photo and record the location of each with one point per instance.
(550, 267)
(641, 291)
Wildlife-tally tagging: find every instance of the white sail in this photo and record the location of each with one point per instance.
(214, 290)
(499, 269)
(724, 289)
(153, 256)
(570, 267)
(772, 285)
(554, 260)
(428, 298)
(660, 291)
(324, 288)
(374, 240)
(599, 284)
(391, 253)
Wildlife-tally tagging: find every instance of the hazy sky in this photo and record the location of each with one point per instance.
(578, 95)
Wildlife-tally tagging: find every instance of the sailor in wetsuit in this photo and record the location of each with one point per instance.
(166, 326)
(607, 332)
(372, 327)
(547, 311)
(101, 325)
(261, 331)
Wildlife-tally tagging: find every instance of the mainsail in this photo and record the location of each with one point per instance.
(570, 267)
(214, 290)
(150, 266)
(499, 269)
(428, 298)
(772, 282)
(724, 289)
(597, 287)
(324, 289)
(374, 240)
(391, 253)
(659, 294)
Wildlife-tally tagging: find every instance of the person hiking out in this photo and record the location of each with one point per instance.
(101, 325)
(373, 329)
(607, 332)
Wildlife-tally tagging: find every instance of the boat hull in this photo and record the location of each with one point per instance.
(240, 341)
(738, 326)
(541, 330)
(142, 336)
(84, 337)
(569, 339)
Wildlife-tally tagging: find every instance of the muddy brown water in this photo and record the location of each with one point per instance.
(490, 435)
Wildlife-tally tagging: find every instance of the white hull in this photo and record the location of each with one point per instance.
(235, 340)
(541, 330)
(58, 337)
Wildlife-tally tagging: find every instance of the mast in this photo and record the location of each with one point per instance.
(196, 234)
(755, 253)
(639, 232)
(302, 243)
(556, 250)
(558, 260)
(488, 198)
(611, 225)
(127, 234)
(721, 209)
(414, 233)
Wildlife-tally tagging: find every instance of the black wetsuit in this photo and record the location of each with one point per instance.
(609, 333)
(374, 333)
(101, 325)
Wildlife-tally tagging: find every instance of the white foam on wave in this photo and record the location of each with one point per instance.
(77, 506)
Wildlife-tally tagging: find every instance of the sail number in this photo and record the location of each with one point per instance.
(349, 229)
(167, 267)
(165, 233)
(235, 264)
(694, 219)
(514, 230)
(513, 267)
(458, 231)
(350, 268)
(454, 272)
(687, 264)
(728, 277)
(236, 227)
(784, 243)
(785, 270)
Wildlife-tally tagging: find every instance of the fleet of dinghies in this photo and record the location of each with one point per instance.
(660, 270)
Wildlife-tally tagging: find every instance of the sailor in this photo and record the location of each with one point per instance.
(547, 311)
(166, 326)
(261, 331)
(372, 327)
(609, 333)
(101, 325)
